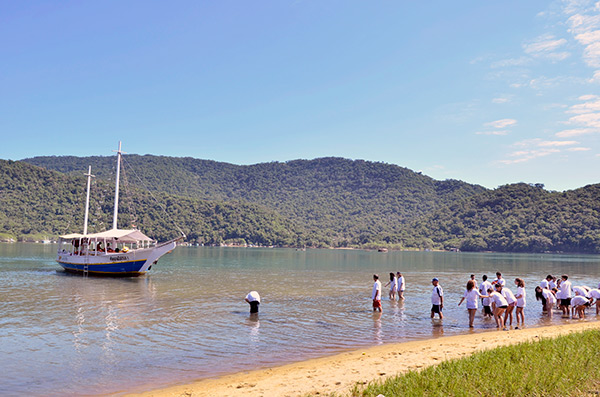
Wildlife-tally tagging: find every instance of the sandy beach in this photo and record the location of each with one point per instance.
(340, 372)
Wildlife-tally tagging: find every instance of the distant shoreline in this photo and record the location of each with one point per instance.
(338, 373)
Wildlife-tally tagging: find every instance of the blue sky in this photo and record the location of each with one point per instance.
(486, 92)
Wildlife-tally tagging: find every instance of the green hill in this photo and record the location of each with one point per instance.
(336, 201)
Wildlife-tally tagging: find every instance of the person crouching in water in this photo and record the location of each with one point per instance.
(579, 303)
(547, 297)
(253, 298)
(499, 304)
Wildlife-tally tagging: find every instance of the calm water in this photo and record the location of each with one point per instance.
(62, 334)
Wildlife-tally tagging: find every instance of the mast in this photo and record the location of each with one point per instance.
(87, 200)
(119, 154)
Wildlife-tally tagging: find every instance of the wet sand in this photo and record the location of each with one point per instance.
(340, 372)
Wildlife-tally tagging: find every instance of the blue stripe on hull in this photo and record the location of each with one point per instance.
(107, 268)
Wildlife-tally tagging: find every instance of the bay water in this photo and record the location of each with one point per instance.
(64, 334)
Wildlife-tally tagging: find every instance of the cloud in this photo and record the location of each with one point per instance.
(586, 119)
(596, 77)
(531, 149)
(522, 156)
(502, 99)
(510, 62)
(495, 132)
(543, 44)
(579, 149)
(574, 132)
(584, 24)
(557, 143)
(503, 123)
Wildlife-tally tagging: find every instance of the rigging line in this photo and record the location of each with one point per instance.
(152, 195)
(129, 198)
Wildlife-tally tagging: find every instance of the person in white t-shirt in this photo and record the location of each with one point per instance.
(499, 303)
(521, 301)
(499, 279)
(595, 298)
(486, 302)
(547, 297)
(253, 299)
(582, 290)
(437, 299)
(376, 294)
(393, 283)
(512, 303)
(564, 294)
(472, 295)
(579, 303)
(401, 285)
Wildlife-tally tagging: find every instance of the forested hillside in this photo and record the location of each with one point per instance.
(519, 218)
(318, 203)
(41, 203)
(337, 201)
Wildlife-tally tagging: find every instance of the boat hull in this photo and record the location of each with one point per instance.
(131, 263)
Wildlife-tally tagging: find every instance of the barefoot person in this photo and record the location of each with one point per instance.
(393, 283)
(472, 295)
(376, 294)
(499, 304)
(437, 299)
(521, 301)
(401, 285)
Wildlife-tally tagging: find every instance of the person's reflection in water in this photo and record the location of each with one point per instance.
(377, 327)
(437, 328)
(254, 323)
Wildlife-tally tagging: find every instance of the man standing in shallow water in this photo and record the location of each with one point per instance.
(437, 299)
(376, 294)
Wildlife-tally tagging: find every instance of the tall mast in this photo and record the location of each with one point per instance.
(116, 214)
(87, 200)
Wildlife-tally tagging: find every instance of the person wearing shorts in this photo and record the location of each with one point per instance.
(564, 294)
(376, 294)
(437, 299)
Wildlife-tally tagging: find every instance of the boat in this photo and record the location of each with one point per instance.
(114, 252)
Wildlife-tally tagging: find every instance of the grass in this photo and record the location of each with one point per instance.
(564, 366)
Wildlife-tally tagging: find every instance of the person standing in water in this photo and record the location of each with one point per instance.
(471, 295)
(393, 283)
(437, 299)
(521, 301)
(401, 285)
(376, 294)
(253, 299)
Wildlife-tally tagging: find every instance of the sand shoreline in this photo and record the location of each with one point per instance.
(338, 373)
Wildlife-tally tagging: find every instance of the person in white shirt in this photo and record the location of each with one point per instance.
(393, 283)
(564, 294)
(582, 290)
(499, 279)
(547, 297)
(253, 299)
(512, 302)
(472, 296)
(579, 303)
(595, 298)
(552, 282)
(486, 302)
(401, 285)
(499, 303)
(376, 294)
(437, 299)
(521, 301)
(545, 283)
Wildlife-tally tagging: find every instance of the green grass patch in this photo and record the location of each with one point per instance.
(564, 366)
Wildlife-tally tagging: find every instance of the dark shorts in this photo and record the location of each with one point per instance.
(436, 308)
(254, 307)
(487, 310)
(565, 302)
(376, 304)
(502, 307)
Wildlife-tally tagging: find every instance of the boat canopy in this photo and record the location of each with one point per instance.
(121, 235)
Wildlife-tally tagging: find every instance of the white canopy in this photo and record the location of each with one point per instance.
(121, 235)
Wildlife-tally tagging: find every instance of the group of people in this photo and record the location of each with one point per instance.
(570, 300)
(397, 285)
(498, 300)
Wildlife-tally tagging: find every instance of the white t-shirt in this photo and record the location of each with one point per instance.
(549, 296)
(253, 296)
(500, 281)
(483, 287)
(376, 290)
(551, 284)
(508, 295)
(564, 290)
(472, 297)
(521, 302)
(401, 284)
(436, 295)
(498, 299)
(579, 300)
(394, 284)
(544, 284)
(595, 293)
(582, 291)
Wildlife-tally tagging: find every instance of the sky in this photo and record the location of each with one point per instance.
(486, 92)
